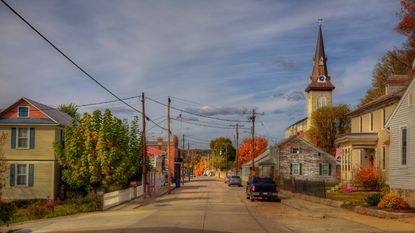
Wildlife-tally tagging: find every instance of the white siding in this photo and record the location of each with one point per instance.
(403, 177)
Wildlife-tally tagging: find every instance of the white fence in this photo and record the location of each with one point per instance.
(118, 197)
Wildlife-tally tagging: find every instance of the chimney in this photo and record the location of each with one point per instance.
(396, 83)
(159, 141)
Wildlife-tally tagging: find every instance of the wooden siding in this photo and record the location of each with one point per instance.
(403, 176)
(12, 112)
(44, 138)
(42, 187)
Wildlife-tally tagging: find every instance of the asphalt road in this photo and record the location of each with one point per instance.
(204, 205)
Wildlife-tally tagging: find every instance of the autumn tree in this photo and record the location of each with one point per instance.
(407, 24)
(327, 123)
(222, 148)
(245, 149)
(393, 62)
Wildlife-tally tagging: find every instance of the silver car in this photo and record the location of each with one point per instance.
(234, 180)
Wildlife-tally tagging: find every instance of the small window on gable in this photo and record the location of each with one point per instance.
(23, 111)
(296, 150)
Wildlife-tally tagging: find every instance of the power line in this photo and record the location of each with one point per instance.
(202, 125)
(74, 63)
(193, 113)
(107, 102)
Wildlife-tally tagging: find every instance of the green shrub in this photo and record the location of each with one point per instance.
(7, 211)
(374, 199)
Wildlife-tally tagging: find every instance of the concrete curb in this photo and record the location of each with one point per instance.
(381, 213)
(319, 200)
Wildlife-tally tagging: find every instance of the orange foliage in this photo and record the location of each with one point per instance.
(407, 24)
(245, 149)
(200, 168)
(368, 177)
(392, 201)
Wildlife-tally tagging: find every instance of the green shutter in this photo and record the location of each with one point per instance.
(32, 138)
(301, 168)
(13, 138)
(12, 175)
(321, 169)
(31, 174)
(329, 169)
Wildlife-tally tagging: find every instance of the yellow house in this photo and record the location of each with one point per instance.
(368, 143)
(28, 130)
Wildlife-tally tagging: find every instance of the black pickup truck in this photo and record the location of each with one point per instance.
(263, 187)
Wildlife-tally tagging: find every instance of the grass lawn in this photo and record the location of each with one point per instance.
(355, 198)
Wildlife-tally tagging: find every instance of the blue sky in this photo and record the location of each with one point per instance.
(215, 57)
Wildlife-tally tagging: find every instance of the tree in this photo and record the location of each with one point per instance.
(71, 109)
(221, 148)
(393, 62)
(407, 25)
(327, 123)
(245, 149)
(99, 151)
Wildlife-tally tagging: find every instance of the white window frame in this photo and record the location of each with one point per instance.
(18, 111)
(323, 165)
(17, 174)
(294, 170)
(297, 149)
(321, 101)
(18, 137)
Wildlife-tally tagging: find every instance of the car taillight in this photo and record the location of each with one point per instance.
(277, 189)
(253, 188)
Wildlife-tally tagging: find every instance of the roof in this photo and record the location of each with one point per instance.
(378, 103)
(319, 67)
(305, 142)
(155, 152)
(401, 100)
(55, 116)
(357, 137)
(298, 122)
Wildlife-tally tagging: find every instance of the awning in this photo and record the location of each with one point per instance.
(358, 140)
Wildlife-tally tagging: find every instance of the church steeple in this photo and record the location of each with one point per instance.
(319, 61)
(319, 79)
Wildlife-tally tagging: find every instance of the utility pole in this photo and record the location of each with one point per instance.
(237, 146)
(252, 118)
(188, 158)
(144, 143)
(226, 160)
(168, 146)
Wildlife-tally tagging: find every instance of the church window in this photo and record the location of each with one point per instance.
(321, 101)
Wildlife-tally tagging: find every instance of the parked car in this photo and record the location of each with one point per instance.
(263, 187)
(234, 180)
(226, 180)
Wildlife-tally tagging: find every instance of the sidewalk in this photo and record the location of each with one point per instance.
(388, 225)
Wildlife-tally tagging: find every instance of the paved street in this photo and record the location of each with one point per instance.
(207, 205)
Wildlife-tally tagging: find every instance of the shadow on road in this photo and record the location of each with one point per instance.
(179, 199)
(152, 230)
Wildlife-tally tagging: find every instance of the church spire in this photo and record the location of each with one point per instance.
(319, 79)
(319, 60)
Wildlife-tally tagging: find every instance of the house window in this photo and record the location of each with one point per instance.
(296, 150)
(403, 145)
(371, 121)
(361, 124)
(383, 158)
(321, 101)
(23, 111)
(296, 169)
(324, 169)
(23, 138)
(21, 174)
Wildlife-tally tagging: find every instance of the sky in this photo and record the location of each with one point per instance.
(216, 58)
